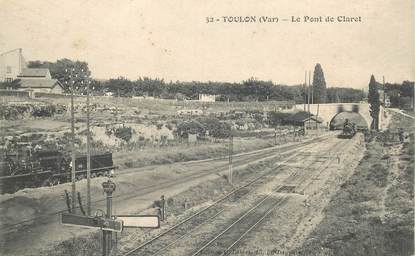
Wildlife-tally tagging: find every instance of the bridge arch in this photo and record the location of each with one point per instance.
(328, 111)
(355, 117)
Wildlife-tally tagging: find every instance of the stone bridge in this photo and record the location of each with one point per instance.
(330, 110)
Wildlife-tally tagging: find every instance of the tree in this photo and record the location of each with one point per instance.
(60, 70)
(344, 95)
(319, 85)
(373, 99)
(15, 84)
(278, 118)
(407, 89)
(407, 95)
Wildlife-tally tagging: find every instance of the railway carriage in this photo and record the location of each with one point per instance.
(28, 168)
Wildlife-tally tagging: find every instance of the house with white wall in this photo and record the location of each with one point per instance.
(13, 66)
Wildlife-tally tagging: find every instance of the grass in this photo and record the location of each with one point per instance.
(367, 217)
(186, 152)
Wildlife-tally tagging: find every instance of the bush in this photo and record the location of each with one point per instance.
(216, 128)
(124, 133)
(190, 127)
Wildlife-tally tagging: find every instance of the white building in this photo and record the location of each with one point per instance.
(207, 98)
(384, 98)
(13, 66)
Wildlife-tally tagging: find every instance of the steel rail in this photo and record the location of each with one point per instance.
(278, 203)
(126, 196)
(252, 209)
(207, 208)
(228, 250)
(177, 181)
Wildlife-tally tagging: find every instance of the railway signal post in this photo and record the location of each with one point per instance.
(109, 188)
(107, 224)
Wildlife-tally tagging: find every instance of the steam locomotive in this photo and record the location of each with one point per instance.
(26, 167)
(349, 130)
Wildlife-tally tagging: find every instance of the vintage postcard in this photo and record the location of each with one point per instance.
(188, 127)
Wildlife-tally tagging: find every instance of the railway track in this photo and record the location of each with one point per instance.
(224, 242)
(258, 155)
(181, 230)
(241, 156)
(238, 229)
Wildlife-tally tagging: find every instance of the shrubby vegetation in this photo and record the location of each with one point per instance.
(125, 133)
(401, 95)
(12, 112)
(203, 127)
(345, 95)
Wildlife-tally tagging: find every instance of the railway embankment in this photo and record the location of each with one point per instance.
(372, 213)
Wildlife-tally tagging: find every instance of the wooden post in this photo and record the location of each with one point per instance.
(230, 160)
(275, 136)
(309, 99)
(305, 92)
(88, 153)
(73, 176)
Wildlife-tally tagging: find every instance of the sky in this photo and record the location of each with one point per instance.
(171, 39)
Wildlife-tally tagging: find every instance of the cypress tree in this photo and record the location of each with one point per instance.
(319, 85)
(373, 99)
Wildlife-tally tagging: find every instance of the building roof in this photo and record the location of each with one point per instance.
(34, 72)
(39, 83)
(303, 116)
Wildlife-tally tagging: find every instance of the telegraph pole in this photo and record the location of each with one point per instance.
(308, 92)
(230, 159)
(305, 87)
(384, 92)
(88, 152)
(116, 105)
(312, 89)
(73, 176)
(309, 98)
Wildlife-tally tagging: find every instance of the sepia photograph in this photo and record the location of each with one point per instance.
(189, 127)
